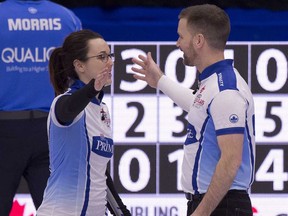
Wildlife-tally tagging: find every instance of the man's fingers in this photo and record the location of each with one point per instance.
(149, 56)
(138, 70)
(138, 62)
(140, 73)
(139, 77)
(143, 58)
(141, 61)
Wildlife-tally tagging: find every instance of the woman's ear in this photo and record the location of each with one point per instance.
(79, 66)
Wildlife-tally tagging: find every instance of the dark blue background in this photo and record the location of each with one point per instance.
(160, 24)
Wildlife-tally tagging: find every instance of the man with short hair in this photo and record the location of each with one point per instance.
(219, 151)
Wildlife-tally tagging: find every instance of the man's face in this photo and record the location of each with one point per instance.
(185, 43)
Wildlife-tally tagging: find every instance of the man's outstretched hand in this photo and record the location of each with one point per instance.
(149, 71)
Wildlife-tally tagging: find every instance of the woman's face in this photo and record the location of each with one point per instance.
(98, 60)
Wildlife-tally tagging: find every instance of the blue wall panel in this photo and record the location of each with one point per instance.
(160, 24)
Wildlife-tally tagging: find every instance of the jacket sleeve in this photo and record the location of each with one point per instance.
(181, 95)
(115, 204)
(69, 106)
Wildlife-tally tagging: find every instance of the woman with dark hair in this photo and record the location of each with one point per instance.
(79, 129)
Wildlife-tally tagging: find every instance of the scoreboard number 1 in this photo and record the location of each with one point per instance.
(177, 156)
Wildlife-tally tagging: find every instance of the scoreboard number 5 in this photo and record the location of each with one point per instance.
(271, 118)
(275, 118)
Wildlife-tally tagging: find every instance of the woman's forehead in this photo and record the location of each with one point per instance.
(98, 45)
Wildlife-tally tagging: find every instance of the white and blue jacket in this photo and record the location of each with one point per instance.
(222, 105)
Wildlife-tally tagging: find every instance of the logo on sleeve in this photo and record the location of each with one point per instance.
(103, 146)
(198, 101)
(233, 118)
(105, 117)
(191, 135)
(32, 10)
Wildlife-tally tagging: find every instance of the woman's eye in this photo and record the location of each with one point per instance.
(102, 57)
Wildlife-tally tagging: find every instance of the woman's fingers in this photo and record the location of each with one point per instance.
(102, 78)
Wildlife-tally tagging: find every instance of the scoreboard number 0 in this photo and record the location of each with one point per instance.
(281, 70)
(144, 170)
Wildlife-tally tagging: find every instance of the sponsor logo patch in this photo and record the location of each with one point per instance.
(233, 118)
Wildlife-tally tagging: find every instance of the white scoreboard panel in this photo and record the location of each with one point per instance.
(149, 129)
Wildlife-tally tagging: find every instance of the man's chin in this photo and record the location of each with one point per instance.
(187, 63)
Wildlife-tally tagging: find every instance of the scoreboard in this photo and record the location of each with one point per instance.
(149, 129)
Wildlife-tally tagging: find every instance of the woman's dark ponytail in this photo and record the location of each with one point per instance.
(58, 74)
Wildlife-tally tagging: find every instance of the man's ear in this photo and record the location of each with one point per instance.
(198, 40)
(79, 66)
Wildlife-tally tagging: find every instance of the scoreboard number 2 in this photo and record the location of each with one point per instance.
(131, 132)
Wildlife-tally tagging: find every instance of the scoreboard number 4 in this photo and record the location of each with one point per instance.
(272, 170)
